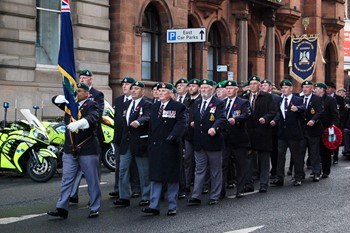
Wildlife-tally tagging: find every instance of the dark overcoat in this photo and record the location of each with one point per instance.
(165, 133)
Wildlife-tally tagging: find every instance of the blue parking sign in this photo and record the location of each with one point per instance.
(171, 35)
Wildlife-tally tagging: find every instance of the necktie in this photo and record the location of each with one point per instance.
(132, 110)
(305, 102)
(180, 98)
(227, 109)
(203, 109)
(160, 111)
(253, 101)
(285, 104)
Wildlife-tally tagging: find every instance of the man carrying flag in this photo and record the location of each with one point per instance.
(81, 147)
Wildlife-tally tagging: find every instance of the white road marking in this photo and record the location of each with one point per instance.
(246, 230)
(85, 185)
(4, 221)
(245, 194)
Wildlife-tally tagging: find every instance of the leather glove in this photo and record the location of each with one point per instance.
(80, 124)
(60, 99)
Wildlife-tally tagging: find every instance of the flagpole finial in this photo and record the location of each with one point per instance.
(305, 22)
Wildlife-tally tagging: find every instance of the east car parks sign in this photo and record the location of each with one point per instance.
(186, 35)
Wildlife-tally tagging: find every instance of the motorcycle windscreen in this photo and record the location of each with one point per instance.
(32, 119)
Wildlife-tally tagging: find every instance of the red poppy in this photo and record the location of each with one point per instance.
(235, 105)
(211, 104)
(332, 141)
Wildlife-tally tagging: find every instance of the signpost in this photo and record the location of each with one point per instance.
(186, 35)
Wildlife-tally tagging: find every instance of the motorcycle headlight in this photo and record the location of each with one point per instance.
(40, 136)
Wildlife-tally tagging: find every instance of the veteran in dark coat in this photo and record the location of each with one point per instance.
(81, 150)
(237, 111)
(167, 124)
(259, 129)
(208, 119)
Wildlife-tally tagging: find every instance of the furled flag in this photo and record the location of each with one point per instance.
(66, 62)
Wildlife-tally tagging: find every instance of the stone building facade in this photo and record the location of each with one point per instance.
(128, 38)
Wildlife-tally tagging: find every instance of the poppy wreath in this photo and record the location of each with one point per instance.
(334, 140)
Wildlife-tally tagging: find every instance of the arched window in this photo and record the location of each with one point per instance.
(151, 39)
(214, 53)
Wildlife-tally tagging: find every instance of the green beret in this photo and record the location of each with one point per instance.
(174, 90)
(86, 73)
(181, 80)
(266, 81)
(306, 83)
(168, 86)
(194, 81)
(128, 80)
(230, 83)
(137, 84)
(330, 84)
(321, 85)
(220, 85)
(255, 78)
(83, 86)
(286, 82)
(244, 84)
(208, 82)
(155, 85)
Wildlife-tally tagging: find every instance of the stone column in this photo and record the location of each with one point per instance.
(242, 47)
(270, 48)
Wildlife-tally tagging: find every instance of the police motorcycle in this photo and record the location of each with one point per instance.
(56, 131)
(23, 148)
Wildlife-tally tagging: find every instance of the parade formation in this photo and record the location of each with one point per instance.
(198, 137)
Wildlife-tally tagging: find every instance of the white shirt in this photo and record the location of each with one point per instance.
(232, 101)
(182, 98)
(206, 103)
(308, 99)
(289, 98)
(126, 98)
(129, 108)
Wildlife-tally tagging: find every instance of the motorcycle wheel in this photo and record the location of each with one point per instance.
(108, 158)
(41, 172)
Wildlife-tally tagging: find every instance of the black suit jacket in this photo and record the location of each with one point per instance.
(189, 132)
(313, 111)
(136, 138)
(330, 114)
(86, 139)
(214, 117)
(290, 126)
(236, 135)
(98, 97)
(119, 113)
(261, 134)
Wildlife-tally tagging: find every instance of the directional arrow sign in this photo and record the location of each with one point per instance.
(186, 35)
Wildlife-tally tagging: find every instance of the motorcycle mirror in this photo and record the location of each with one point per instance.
(6, 104)
(36, 107)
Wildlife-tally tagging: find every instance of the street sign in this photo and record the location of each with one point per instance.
(186, 35)
(222, 68)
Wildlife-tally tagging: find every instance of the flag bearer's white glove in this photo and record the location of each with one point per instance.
(60, 99)
(80, 124)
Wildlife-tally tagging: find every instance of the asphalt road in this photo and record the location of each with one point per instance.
(313, 207)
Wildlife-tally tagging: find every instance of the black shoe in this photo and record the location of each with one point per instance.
(59, 212)
(151, 211)
(239, 195)
(346, 153)
(263, 189)
(122, 203)
(248, 189)
(272, 177)
(94, 214)
(277, 183)
(335, 162)
(135, 194)
(296, 183)
(205, 190)
(231, 186)
(193, 202)
(324, 175)
(213, 202)
(316, 178)
(171, 213)
(289, 173)
(114, 194)
(73, 200)
(144, 203)
(182, 195)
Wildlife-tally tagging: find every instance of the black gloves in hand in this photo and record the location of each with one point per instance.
(171, 139)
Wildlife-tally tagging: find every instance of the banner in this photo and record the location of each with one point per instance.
(303, 57)
(66, 62)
